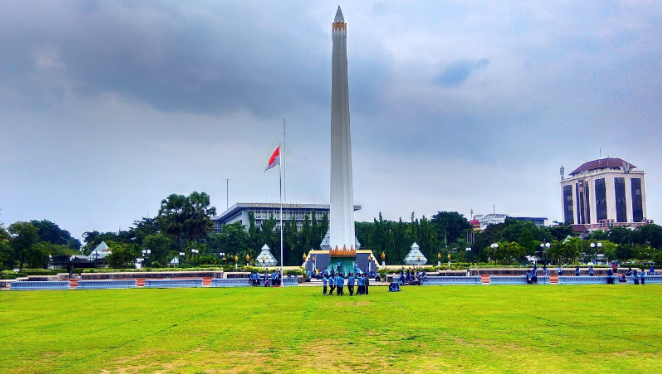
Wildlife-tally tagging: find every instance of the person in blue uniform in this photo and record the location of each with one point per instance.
(339, 265)
(560, 270)
(577, 271)
(340, 281)
(635, 277)
(332, 284)
(590, 270)
(350, 284)
(652, 271)
(544, 270)
(642, 277)
(325, 281)
(273, 279)
(361, 281)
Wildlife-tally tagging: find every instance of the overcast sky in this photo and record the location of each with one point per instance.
(107, 107)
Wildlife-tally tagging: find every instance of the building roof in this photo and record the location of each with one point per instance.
(339, 16)
(603, 163)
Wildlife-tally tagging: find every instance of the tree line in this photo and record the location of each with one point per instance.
(184, 223)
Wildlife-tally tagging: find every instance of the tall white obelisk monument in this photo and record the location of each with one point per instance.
(341, 221)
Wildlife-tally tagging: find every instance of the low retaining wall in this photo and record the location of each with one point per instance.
(516, 279)
(565, 279)
(232, 282)
(27, 285)
(153, 275)
(448, 280)
(173, 283)
(105, 284)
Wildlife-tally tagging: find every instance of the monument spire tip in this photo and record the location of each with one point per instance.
(339, 16)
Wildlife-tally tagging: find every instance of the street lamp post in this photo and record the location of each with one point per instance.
(494, 247)
(248, 259)
(314, 264)
(369, 263)
(439, 259)
(596, 248)
(545, 247)
(194, 252)
(236, 259)
(146, 253)
(383, 260)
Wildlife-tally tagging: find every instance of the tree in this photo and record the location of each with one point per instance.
(324, 226)
(52, 233)
(315, 236)
(573, 248)
(6, 257)
(23, 240)
(527, 242)
(253, 232)
(122, 255)
(620, 235)
(144, 228)
(172, 216)
(649, 234)
(161, 246)
(451, 225)
(624, 252)
(561, 232)
(198, 221)
(234, 239)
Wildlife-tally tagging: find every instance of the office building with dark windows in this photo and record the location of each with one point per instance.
(604, 193)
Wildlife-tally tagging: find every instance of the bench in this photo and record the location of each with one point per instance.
(18, 286)
(451, 281)
(99, 285)
(516, 279)
(173, 283)
(583, 279)
(231, 282)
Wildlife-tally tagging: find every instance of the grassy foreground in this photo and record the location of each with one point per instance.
(515, 329)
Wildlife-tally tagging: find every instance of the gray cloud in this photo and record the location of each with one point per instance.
(459, 71)
(110, 106)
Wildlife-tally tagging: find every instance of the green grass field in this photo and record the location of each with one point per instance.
(557, 329)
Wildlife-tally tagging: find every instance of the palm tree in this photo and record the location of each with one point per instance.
(198, 221)
(173, 215)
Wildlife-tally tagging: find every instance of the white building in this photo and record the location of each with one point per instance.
(263, 211)
(604, 193)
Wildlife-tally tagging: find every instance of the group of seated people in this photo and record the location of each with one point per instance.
(410, 277)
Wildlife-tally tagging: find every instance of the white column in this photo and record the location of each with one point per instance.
(341, 217)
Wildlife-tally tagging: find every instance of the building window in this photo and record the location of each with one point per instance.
(600, 197)
(637, 203)
(621, 206)
(568, 205)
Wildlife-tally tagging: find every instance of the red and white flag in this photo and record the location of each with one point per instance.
(274, 160)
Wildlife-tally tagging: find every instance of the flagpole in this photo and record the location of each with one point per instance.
(280, 174)
(282, 159)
